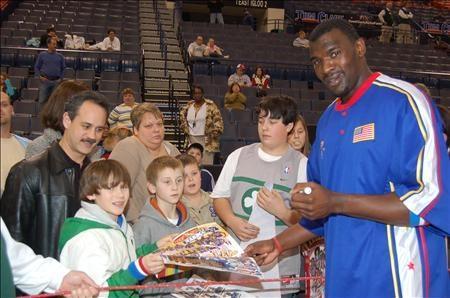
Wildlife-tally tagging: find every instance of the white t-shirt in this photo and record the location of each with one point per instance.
(196, 121)
(223, 184)
(11, 153)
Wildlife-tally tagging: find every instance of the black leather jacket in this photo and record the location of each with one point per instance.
(39, 195)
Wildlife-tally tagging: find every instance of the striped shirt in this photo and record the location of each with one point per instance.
(120, 116)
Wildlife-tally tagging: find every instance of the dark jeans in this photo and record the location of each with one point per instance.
(45, 89)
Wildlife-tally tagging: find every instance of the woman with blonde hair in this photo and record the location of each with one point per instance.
(139, 150)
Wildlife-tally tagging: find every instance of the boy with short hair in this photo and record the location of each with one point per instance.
(196, 150)
(198, 202)
(98, 239)
(259, 177)
(163, 214)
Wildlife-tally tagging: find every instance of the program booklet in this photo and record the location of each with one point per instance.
(209, 246)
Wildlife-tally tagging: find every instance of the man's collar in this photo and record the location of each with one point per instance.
(61, 161)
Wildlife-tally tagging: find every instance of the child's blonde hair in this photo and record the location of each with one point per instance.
(117, 133)
(159, 164)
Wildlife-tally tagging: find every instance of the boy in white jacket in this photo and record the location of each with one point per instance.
(98, 239)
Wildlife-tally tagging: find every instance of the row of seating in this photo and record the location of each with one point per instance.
(77, 61)
(285, 73)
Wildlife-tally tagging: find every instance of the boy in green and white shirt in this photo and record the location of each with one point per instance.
(98, 239)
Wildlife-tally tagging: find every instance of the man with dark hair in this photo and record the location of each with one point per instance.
(252, 193)
(51, 33)
(49, 68)
(380, 180)
(40, 193)
(110, 43)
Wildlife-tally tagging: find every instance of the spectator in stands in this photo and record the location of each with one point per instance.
(298, 137)
(405, 35)
(240, 77)
(234, 98)
(8, 88)
(52, 116)
(40, 193)
(197, 48)
(249, 20)
(261, 81)
(138, 151)
(49, 68)
(51, 33)
(114, 136)
(120, 115)
(110, 43)
(215, 11)
(301, 41)
(212, 50)
(386, 17)
(33, 274)
(202, 123)
(12, 146)
(74, 42)
(196, 150)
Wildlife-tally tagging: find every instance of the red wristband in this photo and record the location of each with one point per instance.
(141, 264)
(277, 245)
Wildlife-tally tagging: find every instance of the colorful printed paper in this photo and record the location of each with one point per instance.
(209, 246)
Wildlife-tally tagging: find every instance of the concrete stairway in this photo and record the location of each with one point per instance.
(162, 59)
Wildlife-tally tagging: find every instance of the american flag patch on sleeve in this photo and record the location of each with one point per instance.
(364, 133)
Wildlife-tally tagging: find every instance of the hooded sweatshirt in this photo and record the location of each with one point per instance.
(151, 226)
(103, 248)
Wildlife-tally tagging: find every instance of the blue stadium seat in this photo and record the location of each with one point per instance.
(33, 83)
(25, 59)
(110, 64)
(71, 61)
(295, 75)
(18, 71)
(29, 94)
(21, 123)
(130, 76)
(36, 125)
(88, 63)
(200, 69)
(110, 76)
(276, 73)
(69, 73)
(87, 74)
(7, 59)
(130, 65)
(220, 70)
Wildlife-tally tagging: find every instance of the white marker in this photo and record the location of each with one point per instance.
(307, 190)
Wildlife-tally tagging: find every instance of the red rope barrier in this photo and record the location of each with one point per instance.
(179, 285)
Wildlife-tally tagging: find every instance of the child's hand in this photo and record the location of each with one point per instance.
(153, 263)
(244, 230)
(165, 241)
(272, 202)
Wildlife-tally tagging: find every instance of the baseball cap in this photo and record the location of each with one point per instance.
(241, 66)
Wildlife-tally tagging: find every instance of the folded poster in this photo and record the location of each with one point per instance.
(209, 246)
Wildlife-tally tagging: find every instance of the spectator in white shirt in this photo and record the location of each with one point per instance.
(110, 43)
(301, 41)
(197, 48)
